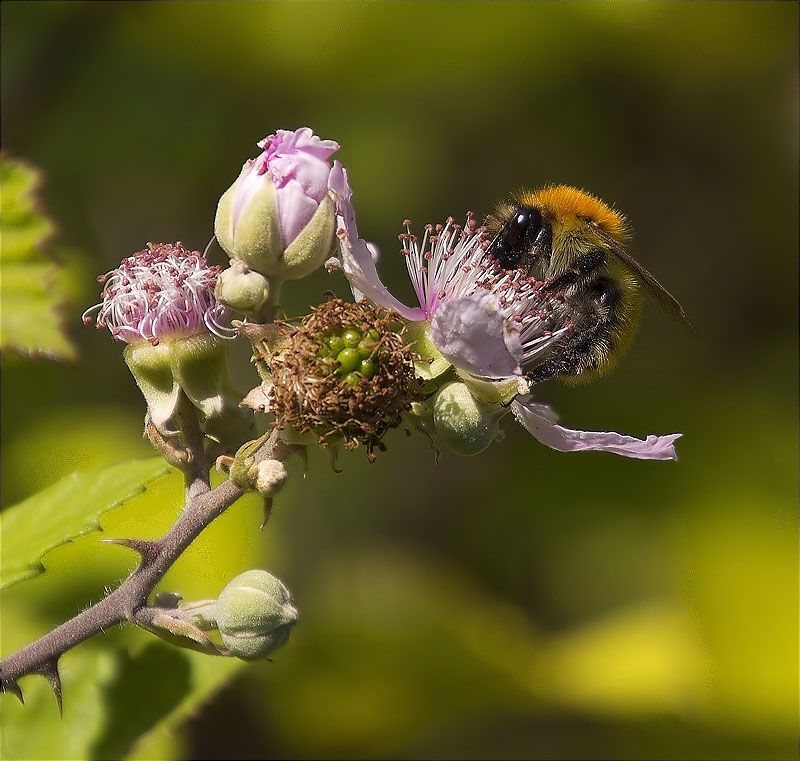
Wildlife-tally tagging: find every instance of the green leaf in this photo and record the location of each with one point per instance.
(36, 731)
(156, 688)
(66, 510)
(116, 701)
(31, 285)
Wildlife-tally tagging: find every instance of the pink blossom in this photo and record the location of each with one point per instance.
(297, 165)
(163, 291)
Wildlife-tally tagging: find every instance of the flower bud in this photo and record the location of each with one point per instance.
(254, 614)
(271, 477)
(278, 216)
(466, 425)
(242, 289)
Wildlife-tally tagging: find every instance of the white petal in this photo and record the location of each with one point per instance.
(357, 260)
(540, 421)
(471, 332)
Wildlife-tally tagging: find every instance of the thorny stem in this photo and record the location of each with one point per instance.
(202, 506)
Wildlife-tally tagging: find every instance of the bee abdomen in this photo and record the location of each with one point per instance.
(597, 311)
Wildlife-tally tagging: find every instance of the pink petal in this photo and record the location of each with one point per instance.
(295, 210)
(357, 261)
(250, 180)
(540, 421)
(472, 334)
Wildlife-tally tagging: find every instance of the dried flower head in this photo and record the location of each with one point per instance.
(163, 291)
(348, 373)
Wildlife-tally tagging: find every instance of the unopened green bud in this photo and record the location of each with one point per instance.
(464, 424)
(271, 477)
(254, 614)
(242, 289)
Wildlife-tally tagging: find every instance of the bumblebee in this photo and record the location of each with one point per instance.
(574, 243)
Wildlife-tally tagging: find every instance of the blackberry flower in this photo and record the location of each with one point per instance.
(160, 301)
(163, 291)
(488, 323)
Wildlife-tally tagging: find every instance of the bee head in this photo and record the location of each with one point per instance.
(553, 221)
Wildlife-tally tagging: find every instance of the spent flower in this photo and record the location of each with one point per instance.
(164, 291)
(160, 301)
(346, 373)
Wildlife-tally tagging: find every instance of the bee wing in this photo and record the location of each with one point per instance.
(660, 294)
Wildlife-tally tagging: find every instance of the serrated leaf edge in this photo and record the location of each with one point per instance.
(37, 567)
(42, 245)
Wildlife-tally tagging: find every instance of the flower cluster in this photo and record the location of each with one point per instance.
(478, 328)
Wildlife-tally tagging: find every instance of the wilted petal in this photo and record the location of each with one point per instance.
(472, 333)
(540, 421)
(356, 258)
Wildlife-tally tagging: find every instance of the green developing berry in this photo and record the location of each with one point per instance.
(367, 368)
(348, 359)
(351, 337)
(336, 344)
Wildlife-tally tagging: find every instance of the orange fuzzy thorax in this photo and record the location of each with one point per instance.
(571, 207)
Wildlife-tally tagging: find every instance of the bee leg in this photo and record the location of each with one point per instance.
(585, 351)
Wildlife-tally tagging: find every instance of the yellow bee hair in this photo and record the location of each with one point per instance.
(571, 207)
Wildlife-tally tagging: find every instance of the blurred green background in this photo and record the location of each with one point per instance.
(524, 604)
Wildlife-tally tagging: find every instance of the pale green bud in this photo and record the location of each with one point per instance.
(242, 289)
(463, 423)
(271, 477)
(254, 614)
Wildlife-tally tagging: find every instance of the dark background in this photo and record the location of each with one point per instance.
(525, 603)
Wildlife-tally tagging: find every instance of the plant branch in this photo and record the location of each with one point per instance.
(202, 506)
